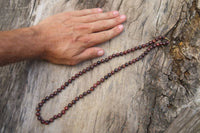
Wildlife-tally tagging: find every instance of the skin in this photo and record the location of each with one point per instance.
(65, 38)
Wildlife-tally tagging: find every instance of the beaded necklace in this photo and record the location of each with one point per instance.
(157, 42)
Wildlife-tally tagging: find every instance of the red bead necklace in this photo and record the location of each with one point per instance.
(158, 41)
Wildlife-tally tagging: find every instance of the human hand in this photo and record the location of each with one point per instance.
(70, 37)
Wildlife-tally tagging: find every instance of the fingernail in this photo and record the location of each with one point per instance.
(120, 27)
(99, 10)
(115, 13)
(100, 53)
(122, 17)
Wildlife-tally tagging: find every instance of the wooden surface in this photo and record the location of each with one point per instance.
(159, 94)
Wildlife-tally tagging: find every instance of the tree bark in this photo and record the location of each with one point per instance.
(161, 93)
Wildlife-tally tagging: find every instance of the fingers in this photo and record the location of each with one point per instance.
(90, 53)
(85, 12)
(97, 17)
(100, 37)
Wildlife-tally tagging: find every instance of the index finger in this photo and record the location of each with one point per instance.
(85, 12)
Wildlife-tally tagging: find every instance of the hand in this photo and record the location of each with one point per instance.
(70, 37)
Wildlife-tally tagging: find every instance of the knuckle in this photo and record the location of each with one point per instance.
(86, 39)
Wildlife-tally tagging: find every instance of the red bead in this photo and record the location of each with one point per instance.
(62, 87)
(63, 111)
(55, 116)
(59, 115)
(91, 89)
(154, 41)
(73, 101)
(66, 108)
(51, 119)
(38, 114)
(98, 83)
(59, 89)
(110, 57)
(46, 122)
(117, 54)
(76, 98)
(102, 80)
(76, 75)
(95, 85)
(112, 72)
(129, 50)
(157, 44)
(84, 70)
(69, 80)
(37, 109)
(132, 49)
(80, 96)
(42, 121)
(73, 78)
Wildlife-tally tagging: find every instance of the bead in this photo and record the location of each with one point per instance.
(95, 85)
(84, 93)
(40, 104)
(102, 60)
(133, 60)
(80, 73)
(113, 55)
(110, 57)
(106, 59)
(143, 45)
(140, 46)
(37, 113)
(47, 122)
(123, 66)
(125, 52)
(84, 70)
(109, 75)
(117, 54)
(102, 80)
(154, 45)
(66, 83)
(98, 83)
(39, 118)
(69, 80)
(116, 70)
(55, 93)
(80, 96)
(43, 100)
(112, 72)
(157, 44)
(66, 108)
(63, 111)
(105, 77)
(91, 67)
(47, 98)
(51, 120)
(59, 90)
(129, 50)
(73, 78)
(76, 75)
(76, 98)
(132, 49)
(98, 62)
(88, 92)
(148, 49)
(88, 68)
(62, 87)
(154, 41)
(136, 48)
(59, 115)
(38, 109)
(126, 64)
(42, 121)
(121, 53)
(137, 59)
(73, 101)
(130, 62)
(69, 105)
(95, 64)
(92, 89)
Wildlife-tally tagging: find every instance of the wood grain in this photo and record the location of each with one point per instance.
(161, 93)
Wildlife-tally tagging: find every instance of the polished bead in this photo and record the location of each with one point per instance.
(123, 65)
(73, 101)
(140, 46)
(157, 44)
(112, 72)
(88, 92)
(106, 59)
(51, 95)
(116, 70)
(55, 116)
(76, 98)
(66, 108)
(102, 80)
(84, 93)
(55, 93)
(113, 55)
(148, 49)
(37, 113)
(137, 59)
(59, 115)
(136, 48)
(47, 98)
(133, 60)
(59, 90)
(98, 62)
(98, 83)
(38, 109)
(130, 62)
(73, 78)
(51, 120)
(121, 53)
(69, 80)
(40, 104)
(92, 88)
(154, 41)
(63, 111)
(80, 96)
(150, 42)
(154, 45)
(95, 64)
(91, 66)
(119, 68)
(39, 118)
(110, 57)
(80, 73)
(66, 83)
(76, 75)
(42, 121)
(129, 50)
(126, 64)
(95, 85)
(69, 105)
(47, 122)
(84, 70)
(102, 60)
(62, 87)
(132, 49)
(88, 68)
(145, 52)
(105, 77)
(109, 75)
(43, 100)
(143, 45)
(125, 52)
(117, 54)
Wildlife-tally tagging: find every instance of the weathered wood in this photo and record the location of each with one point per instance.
(161, 93)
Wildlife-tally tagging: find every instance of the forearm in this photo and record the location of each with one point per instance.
(17, 45)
